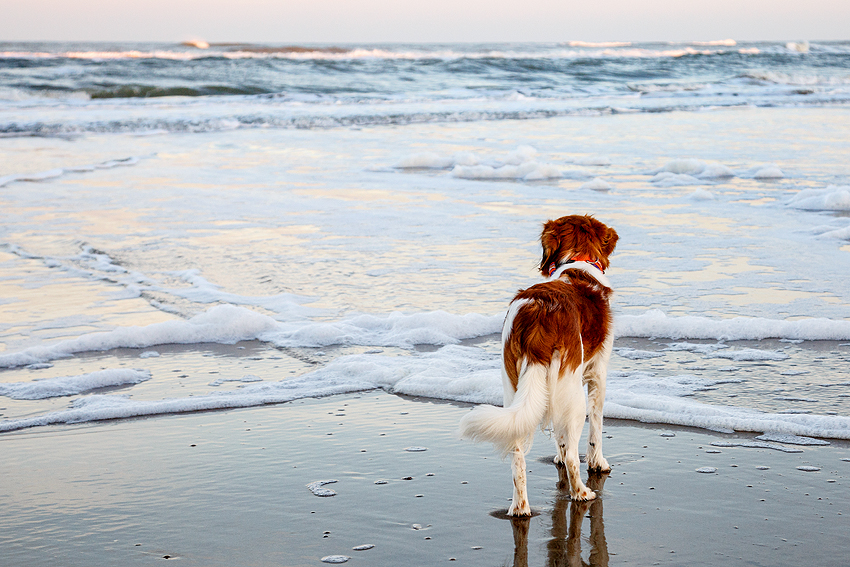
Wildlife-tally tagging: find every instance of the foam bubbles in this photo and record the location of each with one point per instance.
(833, 198)
(425, 160)
(769, 172)
(596, 184)
(317, 490)
(749, 354)
(668, 179)
(71, 385)
(59, 172)
(702, 195)
(519, 164)
(791, 439)
(655, 323)
(592, 160)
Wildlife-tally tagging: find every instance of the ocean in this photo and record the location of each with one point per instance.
(188, 227)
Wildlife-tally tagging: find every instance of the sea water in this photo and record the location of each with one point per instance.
(346, 218)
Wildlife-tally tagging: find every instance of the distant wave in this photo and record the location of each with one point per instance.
(797, 79)
(146, 91)
(723, 42)
(570, 50)
(353, 116)
(599, 44)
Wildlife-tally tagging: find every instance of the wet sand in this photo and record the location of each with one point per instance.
(230, 488)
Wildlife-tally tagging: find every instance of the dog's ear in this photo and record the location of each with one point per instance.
(550, 242)
(609, 242)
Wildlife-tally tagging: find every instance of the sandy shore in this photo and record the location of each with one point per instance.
(230, 488)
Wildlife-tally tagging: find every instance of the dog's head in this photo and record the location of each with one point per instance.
(579, 237)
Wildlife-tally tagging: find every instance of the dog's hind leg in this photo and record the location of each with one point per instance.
(519, 504)
(568, 413)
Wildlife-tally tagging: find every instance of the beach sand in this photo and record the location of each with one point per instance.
(230, 488)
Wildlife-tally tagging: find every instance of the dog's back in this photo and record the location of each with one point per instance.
(572, 318)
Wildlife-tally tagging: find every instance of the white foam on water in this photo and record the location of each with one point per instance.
(695, 168)
(317, 490)
(59, 172)
(519, 164)
(225, 324)
(679, 166)
(833, 198)
(769, 172)
(716, 170)
(837, 234)
(460, 373)
(791, 439)
(592, 160)
(596, 184)
(702, 195)
(72, 385)
(395, 329)
(424, 160)
(655, 323)
(228, 324)
(695, 347)
(283, 305)
(668, 179)
(636, 354)
(528, 171)
(248, 378)
(798, 46)
(757, 445)
(749, 354)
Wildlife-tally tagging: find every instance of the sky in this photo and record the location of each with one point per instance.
(373, 21)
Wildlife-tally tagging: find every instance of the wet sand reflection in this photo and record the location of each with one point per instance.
(564, 548)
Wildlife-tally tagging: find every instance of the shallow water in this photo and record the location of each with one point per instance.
(325, 232)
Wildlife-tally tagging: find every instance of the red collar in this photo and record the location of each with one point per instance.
(595, 262)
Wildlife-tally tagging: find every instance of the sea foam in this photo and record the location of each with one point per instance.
(655, 323)
(833, 198)
(228, 324)
(519, 164)
(459, 373)
(71, 385)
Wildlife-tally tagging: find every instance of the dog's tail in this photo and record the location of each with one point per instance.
(505, 427)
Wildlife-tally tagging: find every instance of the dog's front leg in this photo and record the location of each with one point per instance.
(595, 377)
(519, 504)
(595, 400)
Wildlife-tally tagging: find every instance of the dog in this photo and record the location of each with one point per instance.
(557, 338)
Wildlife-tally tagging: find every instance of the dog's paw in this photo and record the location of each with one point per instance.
(519, 509)
(599, 465)
(583, 495)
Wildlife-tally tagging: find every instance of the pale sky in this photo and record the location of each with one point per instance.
(353, 21)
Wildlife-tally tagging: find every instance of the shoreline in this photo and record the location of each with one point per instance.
(230, 487)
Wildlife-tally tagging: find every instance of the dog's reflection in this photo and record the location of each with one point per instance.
(564, 549)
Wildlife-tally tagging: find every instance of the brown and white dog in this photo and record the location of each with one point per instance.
(556, 338)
